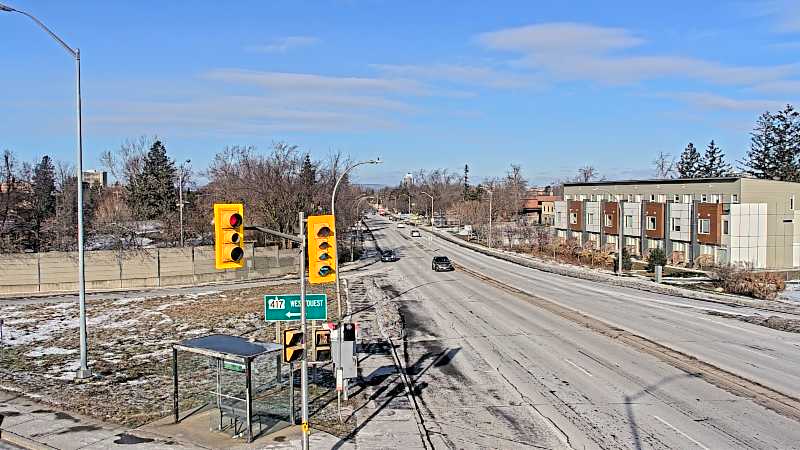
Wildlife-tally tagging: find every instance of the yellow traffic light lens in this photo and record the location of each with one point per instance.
(237, 253)
(324, 232)
(324, 246)
(323, 256)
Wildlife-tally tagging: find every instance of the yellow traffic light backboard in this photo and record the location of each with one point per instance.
(229, 235)
(321, 234)
(322, 345)
(292, 345)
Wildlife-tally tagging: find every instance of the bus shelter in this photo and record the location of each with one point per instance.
(232, 358)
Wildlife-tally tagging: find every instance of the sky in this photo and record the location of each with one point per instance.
(548, 85)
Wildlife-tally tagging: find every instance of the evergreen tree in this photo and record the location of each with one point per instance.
(308, 177)
(713, 163)
(786, 150)
(151, 193)
(466, 181)
(42, 199)
(759, 160)
(689, 164)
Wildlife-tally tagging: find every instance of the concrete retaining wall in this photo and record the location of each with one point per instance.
(58, 271)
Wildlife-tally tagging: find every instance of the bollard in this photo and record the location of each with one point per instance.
(659, 270)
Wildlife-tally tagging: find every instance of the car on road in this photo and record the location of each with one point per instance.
(389, 256)
(441, 263)
(415, 233)
(401, 225)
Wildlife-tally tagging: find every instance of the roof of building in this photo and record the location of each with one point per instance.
(658, 181)
(536, 202)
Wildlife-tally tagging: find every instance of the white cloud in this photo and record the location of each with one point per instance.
(463, 74)
(303, 82)
(784, 13)
(572, 51)
(790, 87)
(708, 100)
(284, 44)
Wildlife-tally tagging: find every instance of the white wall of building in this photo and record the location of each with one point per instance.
(681, 213)
(561, 215)
(634, 210)
(748, 234)
(593, 218)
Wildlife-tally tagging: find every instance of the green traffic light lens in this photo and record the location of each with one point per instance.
(325, 270)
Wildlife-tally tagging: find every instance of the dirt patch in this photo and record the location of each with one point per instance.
(774, 322)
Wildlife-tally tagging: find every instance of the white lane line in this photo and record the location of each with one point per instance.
(741, 347)
(578, 367)
(681, 433)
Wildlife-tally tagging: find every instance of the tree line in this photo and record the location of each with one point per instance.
(38, 200)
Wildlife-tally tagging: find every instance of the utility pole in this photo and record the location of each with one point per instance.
(180, 194)
(429, 195)
(490, 218)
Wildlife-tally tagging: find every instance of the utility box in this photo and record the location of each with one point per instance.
(343, 351)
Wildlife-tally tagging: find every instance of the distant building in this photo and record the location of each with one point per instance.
(700, 220)
(539, 209)
(95, 178)
(408, 180)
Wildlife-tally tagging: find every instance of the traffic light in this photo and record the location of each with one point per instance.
(229, 235)
(322, 345)
(321, 249)
(292, 345)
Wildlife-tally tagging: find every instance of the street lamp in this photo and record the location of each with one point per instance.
(333, 213)
(83, 371)
(429, 195)
(620, 226)
(409, 201)
(180, 193)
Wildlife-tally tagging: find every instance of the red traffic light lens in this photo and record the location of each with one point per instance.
(236, 254)
(235, 219)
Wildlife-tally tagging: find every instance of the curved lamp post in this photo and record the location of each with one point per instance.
(333, 213)
(83, 370)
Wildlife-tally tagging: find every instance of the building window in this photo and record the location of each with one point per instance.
(609, 220)
(791, 203)
(715, 198)
(651, 223)
(704, 226)
(591, 219)
(628, 220)
(567, 197)
(573, 218)
(637, 198)
(676, 224)
(734, 198)
(687, 198)
(617, 197)
(704, 198)
(594, 197)
(676, 198)
(652, 197)
(725, 226)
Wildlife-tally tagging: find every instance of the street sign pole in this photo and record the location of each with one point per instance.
(304, 361)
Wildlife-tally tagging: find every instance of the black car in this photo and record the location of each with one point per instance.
(441, 263)
(389, 256)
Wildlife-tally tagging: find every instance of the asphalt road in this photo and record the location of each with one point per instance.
(491, 370)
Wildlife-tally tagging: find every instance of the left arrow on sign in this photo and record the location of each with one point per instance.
(291, 314)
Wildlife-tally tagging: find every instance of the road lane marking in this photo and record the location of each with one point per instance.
(754, 351)
(578, 367)
(681, 433)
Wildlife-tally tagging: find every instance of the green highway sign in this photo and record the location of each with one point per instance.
(234, 366)
(287, 307)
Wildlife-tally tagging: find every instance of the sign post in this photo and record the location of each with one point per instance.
(287, 307)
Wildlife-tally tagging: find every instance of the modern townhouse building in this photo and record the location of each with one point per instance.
(724, 220)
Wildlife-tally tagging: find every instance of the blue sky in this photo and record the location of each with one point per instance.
(548, 85)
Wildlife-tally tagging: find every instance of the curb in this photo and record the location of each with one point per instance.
(22, 441)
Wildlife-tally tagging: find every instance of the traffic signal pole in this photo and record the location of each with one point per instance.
(304, 327)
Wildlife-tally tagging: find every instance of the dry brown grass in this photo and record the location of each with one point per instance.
(743, 280)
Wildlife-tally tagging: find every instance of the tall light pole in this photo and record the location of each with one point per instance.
(180, 193)
(429, 195)
(620, 228)
(409, 201)
(83, 371)
(333, 213)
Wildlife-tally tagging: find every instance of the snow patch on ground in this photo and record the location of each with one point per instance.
(41, 351)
